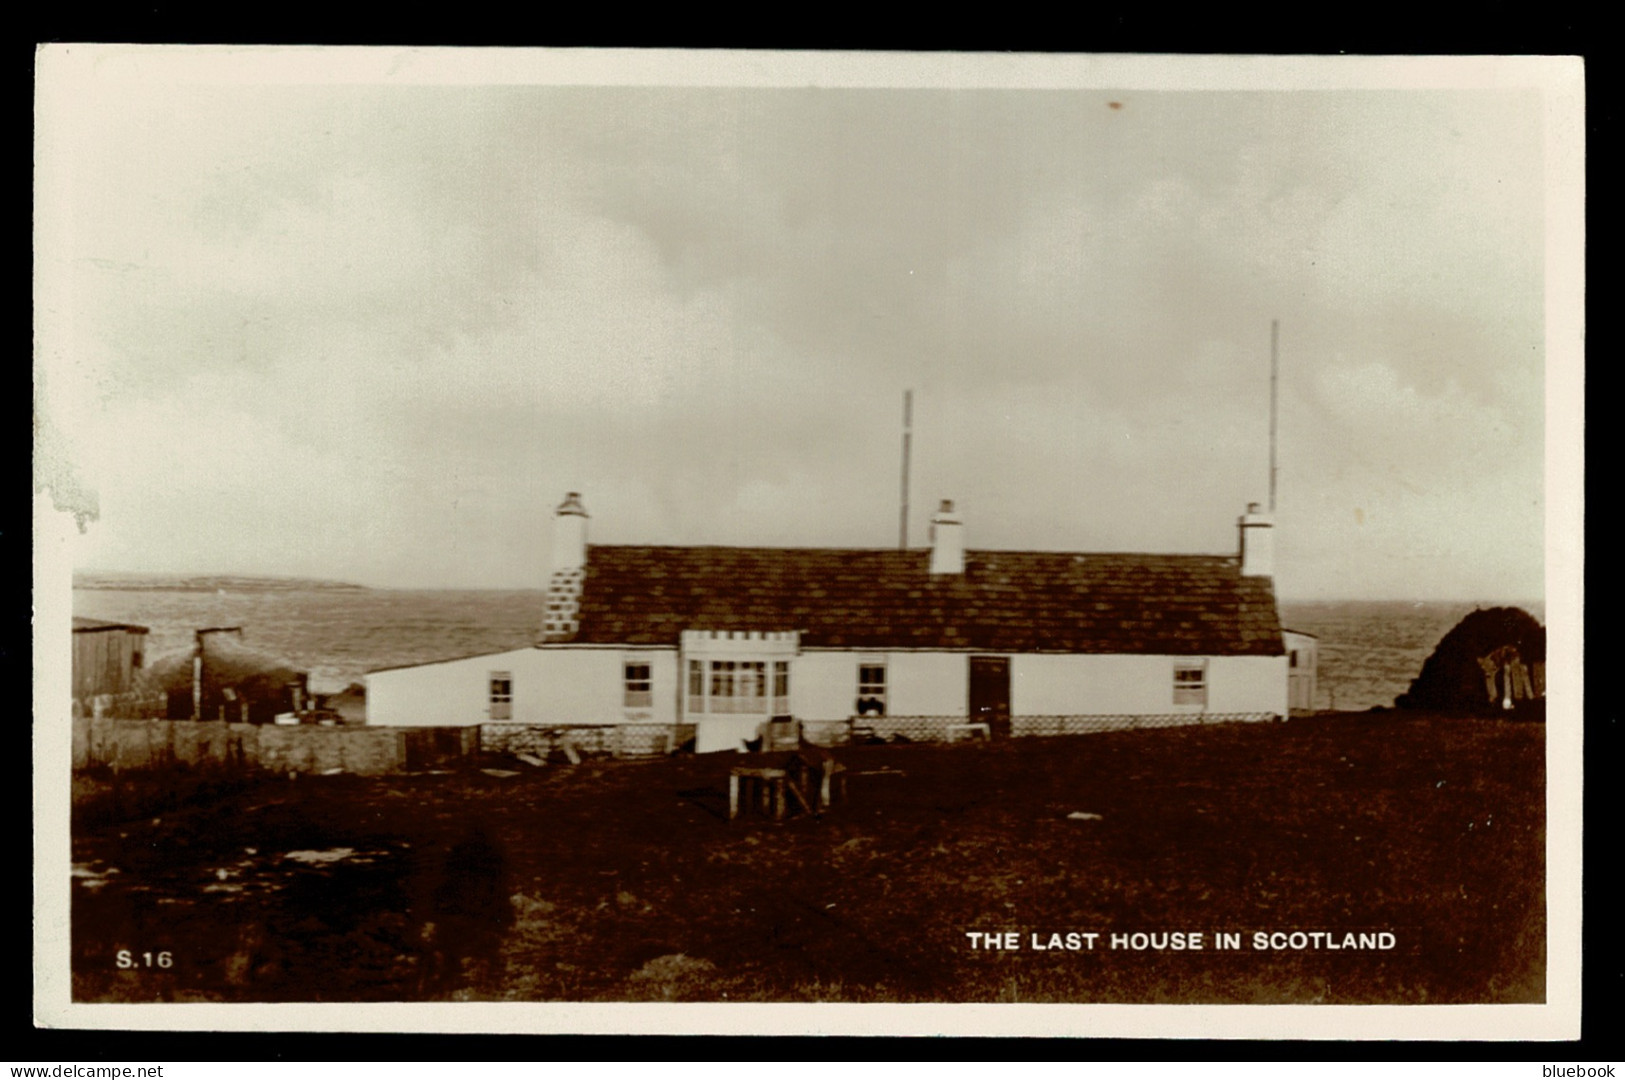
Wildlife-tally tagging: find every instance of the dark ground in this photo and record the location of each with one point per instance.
(623, 880)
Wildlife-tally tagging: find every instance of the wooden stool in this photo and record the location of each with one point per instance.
(760, 784)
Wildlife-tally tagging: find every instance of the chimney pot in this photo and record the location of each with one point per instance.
(947, 541)
(1257, 543)
(570, 534)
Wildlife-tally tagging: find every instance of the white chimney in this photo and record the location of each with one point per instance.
(1257, 543)
(947, 541)
(569, 534)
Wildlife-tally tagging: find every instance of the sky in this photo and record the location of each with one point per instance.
(374, 329)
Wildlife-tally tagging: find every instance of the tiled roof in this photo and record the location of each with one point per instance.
(1005, 601)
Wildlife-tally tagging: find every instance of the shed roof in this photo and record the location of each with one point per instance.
(1005, 601)
(81, 624)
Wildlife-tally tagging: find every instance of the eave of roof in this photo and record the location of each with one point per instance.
(82, 624)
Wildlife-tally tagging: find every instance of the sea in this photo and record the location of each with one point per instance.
(1369, 650)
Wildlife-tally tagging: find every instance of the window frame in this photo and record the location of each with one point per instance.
(871, 689)
(697, 683)
(1190, 682)
(737, 687)
(499, 703)
(637, 691)
(781, 688)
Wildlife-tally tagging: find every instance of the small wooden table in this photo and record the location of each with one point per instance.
(810, 777)
(764, 785)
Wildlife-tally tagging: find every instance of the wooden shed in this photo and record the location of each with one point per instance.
(106, 657)
(1303, 663)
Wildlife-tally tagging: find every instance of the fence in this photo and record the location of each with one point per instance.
(613, 740)
(1089, 725)
(130, 706)
(122, 745)
(863, 729)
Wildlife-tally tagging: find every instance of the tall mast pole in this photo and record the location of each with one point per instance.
(1275, 334)
(908, 437)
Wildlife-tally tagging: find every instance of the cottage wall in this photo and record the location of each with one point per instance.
(565, 686)
(451, 693)
(1305, 647)
(824, 685)
(1245, 684)
(550, 686)
(1074, 685)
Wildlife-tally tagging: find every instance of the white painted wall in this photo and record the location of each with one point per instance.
(824, 685)
(565, 685)
(1305, 674)
(553, 686)
(1238, 684)
(714, 733)
(1044, 685)
(927, 684)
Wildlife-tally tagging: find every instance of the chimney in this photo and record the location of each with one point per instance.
(1257, 543)
(570, 534)
(947, 541)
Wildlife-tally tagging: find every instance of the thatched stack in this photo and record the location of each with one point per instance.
(259, 678)
(1492, 658)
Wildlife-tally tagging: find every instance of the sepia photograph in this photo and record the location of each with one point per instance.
(603, 541)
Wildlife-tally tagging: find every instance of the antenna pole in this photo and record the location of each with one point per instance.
(908, 437)
(1275, 335)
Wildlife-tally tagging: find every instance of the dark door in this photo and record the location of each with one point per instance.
(990, 693)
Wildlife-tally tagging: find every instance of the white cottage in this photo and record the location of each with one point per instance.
(920, 642)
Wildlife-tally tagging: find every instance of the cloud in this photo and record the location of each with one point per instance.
(418, 316)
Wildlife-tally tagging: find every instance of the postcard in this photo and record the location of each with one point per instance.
(611, 541)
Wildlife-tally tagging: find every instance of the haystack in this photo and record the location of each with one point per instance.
(1492, 658)
(252, 675)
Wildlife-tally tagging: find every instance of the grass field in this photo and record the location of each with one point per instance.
(624, 880)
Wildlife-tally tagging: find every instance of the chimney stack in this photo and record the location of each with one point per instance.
(947, 541)
(1257, 543)
(570, 534)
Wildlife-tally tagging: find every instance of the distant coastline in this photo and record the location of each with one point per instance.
(206, 583)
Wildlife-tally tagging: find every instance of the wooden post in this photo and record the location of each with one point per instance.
(733, 796)
(197, 679)
(908, 437)
(1275, 335)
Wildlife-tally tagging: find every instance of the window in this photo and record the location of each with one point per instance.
(781, 688)
(696, 686)
(871, 690)
(501, 695)
(738, 686)
(639, 687)
(1293, 662)
(1190, 682)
